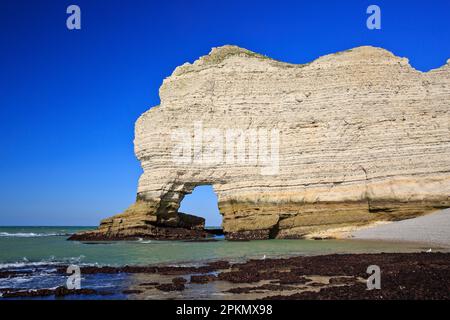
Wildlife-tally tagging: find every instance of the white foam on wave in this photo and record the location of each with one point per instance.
(23, 264)
(52, 261)
(31, 234)
(22, 279)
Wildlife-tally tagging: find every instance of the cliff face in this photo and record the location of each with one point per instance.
(348, 139)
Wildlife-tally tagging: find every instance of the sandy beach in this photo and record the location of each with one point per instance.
(432, 229)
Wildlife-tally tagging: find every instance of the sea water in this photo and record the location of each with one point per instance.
(37, 251)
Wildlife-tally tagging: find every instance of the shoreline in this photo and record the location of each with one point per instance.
(428, 229)
(332, 276)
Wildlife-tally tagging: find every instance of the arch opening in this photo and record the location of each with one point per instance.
(202, 202)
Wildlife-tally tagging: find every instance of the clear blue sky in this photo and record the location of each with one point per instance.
(69, 99)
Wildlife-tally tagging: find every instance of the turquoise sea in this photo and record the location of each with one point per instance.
(37, 251)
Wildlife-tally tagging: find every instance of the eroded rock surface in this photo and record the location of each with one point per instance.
(362, 137)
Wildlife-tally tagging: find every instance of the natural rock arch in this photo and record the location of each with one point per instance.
(203, 202)
(362, 137)
(171, 200)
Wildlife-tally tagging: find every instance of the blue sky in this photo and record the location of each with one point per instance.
(69, 99)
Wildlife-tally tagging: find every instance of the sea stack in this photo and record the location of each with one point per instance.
(353, 137)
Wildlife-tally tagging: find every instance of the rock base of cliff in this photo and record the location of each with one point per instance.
(291, 220)
(141, 221)
(151, 233)
(257, 221)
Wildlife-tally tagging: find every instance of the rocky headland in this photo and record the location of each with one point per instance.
(361, 137)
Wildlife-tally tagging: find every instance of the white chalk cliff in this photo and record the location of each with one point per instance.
(362, 137)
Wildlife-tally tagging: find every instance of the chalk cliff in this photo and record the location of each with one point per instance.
(348, 139)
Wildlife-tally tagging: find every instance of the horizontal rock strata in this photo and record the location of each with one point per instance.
(138, 222)
(360, 136)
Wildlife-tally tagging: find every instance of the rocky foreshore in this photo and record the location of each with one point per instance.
(337, 276)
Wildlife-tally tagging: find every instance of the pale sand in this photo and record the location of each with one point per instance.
(433, 229)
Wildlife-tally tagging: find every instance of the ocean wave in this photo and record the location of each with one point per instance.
(52, 261)
(31, 234)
